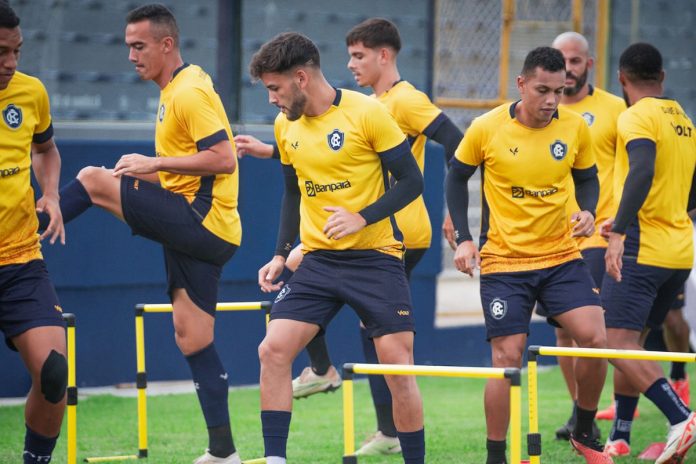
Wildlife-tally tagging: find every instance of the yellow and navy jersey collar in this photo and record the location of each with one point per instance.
(514, 105)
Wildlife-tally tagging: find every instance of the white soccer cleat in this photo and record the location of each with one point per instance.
(208, 458)
(379, 444)
(309, 383)
(679, 439)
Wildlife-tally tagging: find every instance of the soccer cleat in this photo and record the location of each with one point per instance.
(309, 383)
(379, 444)
(681, 386)
(208, 458)
(679, 439)
(609, 413)
(590, 449)
(563, 432)
(617, 448)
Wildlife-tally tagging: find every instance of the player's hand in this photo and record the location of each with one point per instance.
(467, 257)
(583, 224)
(605, 228)
(448, 231)
(342, 222)
(613, 256)
(135, 163)
(250, 145)
(50, 205)
(270, 272)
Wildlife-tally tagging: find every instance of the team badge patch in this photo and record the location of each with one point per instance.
(589, 118)
(160, 113)
(498, 308)
(558, 150)
(283, 293)
(12, 115)
(335, 139)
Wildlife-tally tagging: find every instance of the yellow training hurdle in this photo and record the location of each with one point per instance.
(513, 374)
(141, 375)
(534, 437)
(71, 390)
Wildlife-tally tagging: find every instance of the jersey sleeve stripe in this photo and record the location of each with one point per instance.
(402, 149)
(635, 143)
(209, 141)
(44, 136)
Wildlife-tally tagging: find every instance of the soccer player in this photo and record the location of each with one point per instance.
(373, 46)
(530, 151)
(650, 250)
(600, 110)
(30, 314)
(184, 198)
(335, 148)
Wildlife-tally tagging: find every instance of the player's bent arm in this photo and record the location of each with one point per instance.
(216, 159)
(641, 170)
(457, 195)
(289, 213)
(409, 184)
(586, 188)
(443, 131)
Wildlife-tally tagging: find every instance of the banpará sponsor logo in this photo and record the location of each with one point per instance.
(313, 189)
(521, 192)
(7, 172)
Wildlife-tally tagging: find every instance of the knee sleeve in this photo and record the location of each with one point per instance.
(54, 377)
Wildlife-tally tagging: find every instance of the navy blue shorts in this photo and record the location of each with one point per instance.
(594, 258)
(193, 255)
(372, 283)
(508, 298)
(27, 299)
(643, 296)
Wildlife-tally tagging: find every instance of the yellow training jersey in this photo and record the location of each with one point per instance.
(600, 110)
(662, 236)
(413, 112)
(190, 119)
(337, 160)
(26, 118)
(525, 174)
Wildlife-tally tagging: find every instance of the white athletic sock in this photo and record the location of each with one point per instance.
(275, 460)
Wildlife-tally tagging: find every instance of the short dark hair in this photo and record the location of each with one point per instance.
(641, 62)
(546, 58)
(282, 53)
(8, 18)
(374, 33)
(158, 15)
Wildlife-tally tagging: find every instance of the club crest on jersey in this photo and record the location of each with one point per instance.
(283, 293)
(160, 113)
(589, 118)
(559, 150)
(498, 308)
(335, 139)
(12, 115)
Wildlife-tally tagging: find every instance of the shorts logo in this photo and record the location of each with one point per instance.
(335, 139)
(283, 293)
(403, 312)
(498, 308)
(160, 113)
(558, 150)
(58, 308)
(589, 118)
(13, 116)
(595, 290)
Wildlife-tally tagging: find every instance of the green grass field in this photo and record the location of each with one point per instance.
(455, 425)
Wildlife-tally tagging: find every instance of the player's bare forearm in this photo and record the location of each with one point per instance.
(46, 165)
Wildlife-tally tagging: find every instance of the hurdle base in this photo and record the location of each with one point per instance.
(350, 460)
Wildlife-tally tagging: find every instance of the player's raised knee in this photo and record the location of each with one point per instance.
(54, 377)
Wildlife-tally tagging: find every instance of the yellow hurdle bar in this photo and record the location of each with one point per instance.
(534, 438)
(349, 369)
(236, 306)
(71, 390)
(255, 461)
(125, 457)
